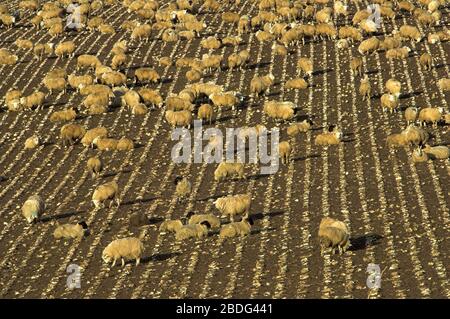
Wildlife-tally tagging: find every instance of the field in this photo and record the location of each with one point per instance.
(397, 211)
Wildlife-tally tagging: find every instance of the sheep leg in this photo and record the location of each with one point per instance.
(138, 260)
(123, 262)
(114, 263)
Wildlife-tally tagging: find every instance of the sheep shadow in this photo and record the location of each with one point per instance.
(138, 145)
(410, 95)
(259, 216)
(211, 197)
(115, 173)
(159, 257)
(259, 65)
(259, 230)
(441, 65)
(3, 178)
(376, 96)
(364, 241)
(372, 72)
(61, 216)
(320, 72)
(273, 94)
(138, 201)
(220, 120)
(257, 176)
(303, 158)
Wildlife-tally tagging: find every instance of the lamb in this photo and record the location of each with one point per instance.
(297, 83)
(230, 17)
(146, 75)
(365, 88)
(431, 114)
(180, 118)
(63, 116)
(411, 115)
(170, 225)
(232, 40)
(141, 32)
(165, 60)
(304, 65)
(396, 140)
(333, 234)
(301, 127)
(32, 142)
(71, 132)
(23, 44)
(139, 109)
(169, 35)
(332, 137)
(194, 219)
(225, 169)
(398, 53)
(437, 152)
(284, 150)
(419, 156)
(55, 84)
(356, 65)
(87, 61)
(8, 59)
(444, 84)
(105, 28)
(183, 188)
(105, 144)
(234, 205)
(125, 248)
(279, 110)
(426, 61)
(90, 135)
(125, 144)
(78, 81)
(369, 46)
(150, 97)
(243, 24)
(192, 231)
(193, 75)
(415, 136)
(36, 99)
(260, 84)
(33, 208)
(94, 166)
(70, 231)
(205, 112)
(393, 87)
(65, 48)
(104, 192)
(410, 32)
(235, 229)
(389, 102)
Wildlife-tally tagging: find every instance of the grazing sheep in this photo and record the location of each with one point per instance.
(333, 234)
(226, 99)
(332, 137)
(150, 97)
(260, 84)
(411, 115)
(415, 135)
(180, 118)
(369, 46)
(31, 142)
(183, 188)
(23, 44)
(118, 60)
(437, 152)
(65, 48)
(426, 61)
(78, 81)
(192, 231)
(326, 30)
(440, 36)
(356, 65)
(243, 24)
(444, 84)
(238, 59)
(279, 110)
(232, 40)
(90, 135)
(70, 133)
(33, 208)
(104, 192)
(141, 32)
(139, 109)
(125, 248)
(176, 103)
(7, 20)
(234, 205)
(194, 219)
(396, 140)
(393, 87)
(205, 112)
(70, 231)
(225, 169)
(212, 62)
(342, 44)
(87, 61)
(305, 65)
(63, 116)
(114, 78)
(390, 43)
(389, 102)
(419, 156)
(169, 35)
(165, 61)
(297, 128)
(284, 150)
(95, 166)
(350, 33)
(398, 53)
(230, 17)
(279, 49)
(170, 225)
(125, 144)
(100, 70)
(235, 229)
(410, 32)
(36, 99)
(98, 99)
(55, 84)
(105, 28)
(146, 75)
(431, 114)
(42, 49)
(365, 88)
(7, 58)
(120, 47)
(211, 43)
(297, 83)
(194, 75)
(130, 98)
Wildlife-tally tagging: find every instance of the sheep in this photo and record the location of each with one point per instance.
(297, 83)
(356, 65)
(94, 166)
(350, 33)
(340, 8)
(96, 109)
(390, 43)
(211, 43)
(426, 61)
(99, 99)
(70, 133)
(146, 75)
(105, 144)
(141, 32)
(125, 144)
(77, 81)
(410, 32)
(130, 98)
(166, 61)
(279, 110)
(260, 84)
(264, 36)
(150, 97)
(170, 225)
(284, 150)
(63, 116)
(279, 49)
(323, 16)
(406, 6)
(205, 112)
(33, 208)
(230, 17)
(125, 248)
(7, 20)
(212, 62)
(105, 28)
(37, 99)
(23, 44)
(235, 229)
(365, 88)
(231, 40)
(56, 29)
(87, 61)
(243, 24)
(326, 30)
(389, 102)
(55, 84)
(7, 58)
(169, 35)
(411, 115)
(186, 35)
(192, 231)
(70, 231)
(440, 36)
(415, 135)
(114, 79)
(100, 70)
(301, 127)
(194, 219)
(90, 135)
(430, 114)
(94, 23)
(437, 152)
(196, 26)
(104, 192)
(175, 103)
(419, 156)
(183, 188)
(369, 46)
(332, 137)
(333, 234)
(118, 60)
(398, 53)
(36, 21)
(32, 142)
(65, 48)
(139, 109)
(179, 118)
(305, 65)
(226, 99)
(234, 205)
(193, 75)
(225, 169)
(396, 140)
(444, 84)
(238, 59)
(360, 16)
(342, 44)
(393, 87)
(120, 47)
